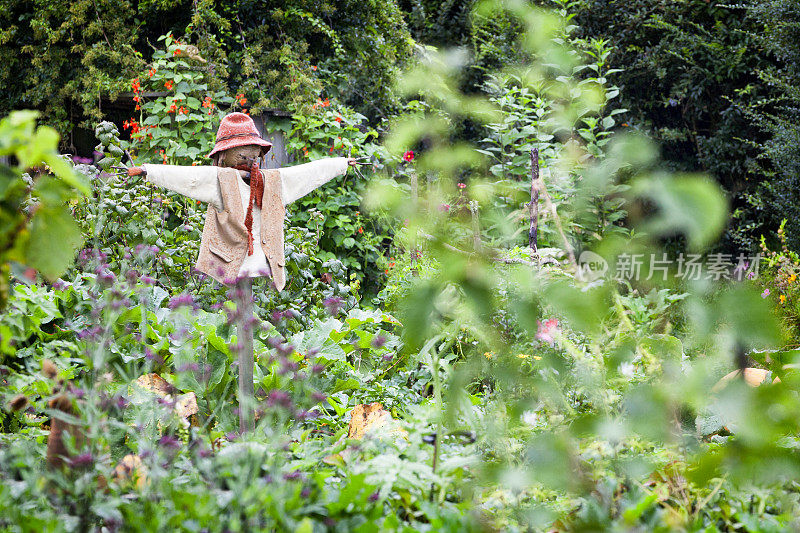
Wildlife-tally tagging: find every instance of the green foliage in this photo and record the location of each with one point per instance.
(530, 114)
(63, 57)
(36, 226)
(178, 127)
(68, 59)
(334, 211)
(524, 395)
(691, 74)
(776, 200)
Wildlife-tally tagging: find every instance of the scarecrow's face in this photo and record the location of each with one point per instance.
(239, 155)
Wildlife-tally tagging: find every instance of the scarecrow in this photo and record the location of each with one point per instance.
(243, 232)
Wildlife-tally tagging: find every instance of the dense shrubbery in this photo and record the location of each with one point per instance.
(525, 396)
(66, 58)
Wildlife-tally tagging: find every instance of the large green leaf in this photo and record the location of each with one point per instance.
(688, 204)
(54, 236)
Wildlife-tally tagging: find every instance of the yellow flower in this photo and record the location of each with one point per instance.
(783, 299)
(526, 355)
(488, 355)
(792, 278)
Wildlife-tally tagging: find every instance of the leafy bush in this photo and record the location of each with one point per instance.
(691, 74)
(519, 394)
(36, 227)
(66, 58)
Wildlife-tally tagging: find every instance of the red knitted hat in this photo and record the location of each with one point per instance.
(238, 129)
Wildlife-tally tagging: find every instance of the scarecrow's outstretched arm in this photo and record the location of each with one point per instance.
(299, 180)
(198, 183)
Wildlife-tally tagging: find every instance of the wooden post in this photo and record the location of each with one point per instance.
(414, 182)
(533, 207)
(476, 226)
(244, 331)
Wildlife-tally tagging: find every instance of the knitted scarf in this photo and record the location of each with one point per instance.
(256, 194)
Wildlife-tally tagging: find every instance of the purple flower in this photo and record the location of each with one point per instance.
(378, 341)
(287, 366)
(121, 402)
(375, 496)
(765, 293)
(307, 415)
(106, 277)
(305, 493)
(388, 357)
(147, 280)
(751, 275)
(205, 453)
(291, 476)
(278, 397)
(169, 442)
(180, 301)
(333, 305)
(132, 275)
(283, 349)
(166, 402)
(188, 367)
(316, 369)
(318, 397)
(82, 460)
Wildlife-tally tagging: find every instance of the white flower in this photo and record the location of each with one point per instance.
(626, 369)
(530, 417)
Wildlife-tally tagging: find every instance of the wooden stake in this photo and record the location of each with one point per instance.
(244, 331)
(476, 227)
(533, 207)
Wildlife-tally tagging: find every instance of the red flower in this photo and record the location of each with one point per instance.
(408, 156)
(313, 67)
(135, 85)
(338, 119)
(361, 230)
(176, 52)
(242, 100)
(462, 186)
(169, 85)
(548, 331)
(152, 72)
